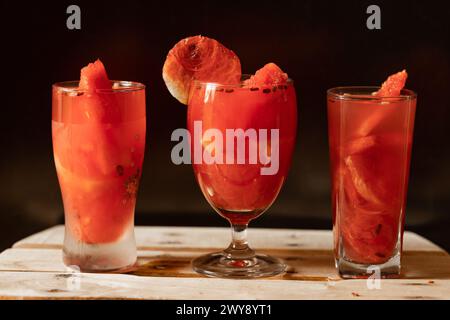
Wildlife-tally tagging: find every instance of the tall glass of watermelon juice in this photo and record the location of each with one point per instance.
(241, 190)
(370, 138)
(98, 144)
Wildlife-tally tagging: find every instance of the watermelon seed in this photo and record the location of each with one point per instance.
(285, 87)
(229, 90)
(274, 89)
(280, 86)
(266, 90)
(80, 94)
(219, 90)
(378, 228)
(119, 170)
(254, 89)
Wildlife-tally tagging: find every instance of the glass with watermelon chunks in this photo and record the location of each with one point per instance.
(242, 131)
(98, 129)
(370, 139)
(239, 192)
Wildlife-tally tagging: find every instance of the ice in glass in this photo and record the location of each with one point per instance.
(98, 129)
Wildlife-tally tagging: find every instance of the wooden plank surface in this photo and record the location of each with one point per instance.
(33, 269)
(46, 285)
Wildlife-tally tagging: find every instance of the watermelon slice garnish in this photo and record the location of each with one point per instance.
(94, 77)
(270, 74)
(393, 85)
(199, 58)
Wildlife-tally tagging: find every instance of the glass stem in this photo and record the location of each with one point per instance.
(238, 248)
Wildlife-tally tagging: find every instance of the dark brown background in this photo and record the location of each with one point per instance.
(320, 44)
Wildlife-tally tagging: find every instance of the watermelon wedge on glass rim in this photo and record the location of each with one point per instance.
(243, 165)
(370, 133)
(98, 130)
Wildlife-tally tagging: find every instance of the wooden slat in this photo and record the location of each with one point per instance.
(309, 265)
(199, 238)
(303, 264)
(46, 285)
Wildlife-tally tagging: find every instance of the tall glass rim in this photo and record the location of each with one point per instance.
(116, 86)
(365, 93)
(238, 85)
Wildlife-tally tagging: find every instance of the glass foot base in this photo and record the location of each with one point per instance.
(118, 256)
(220, 266)
(352, 270)
(86, 264)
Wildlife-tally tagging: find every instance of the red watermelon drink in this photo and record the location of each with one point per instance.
(98, 129)
(242, 134)
(239, 191)
(370, 138)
